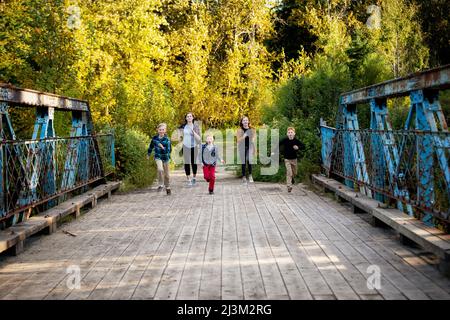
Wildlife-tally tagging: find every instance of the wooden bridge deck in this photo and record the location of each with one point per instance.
(244, 242)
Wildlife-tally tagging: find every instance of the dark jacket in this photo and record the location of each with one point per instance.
(287, 148)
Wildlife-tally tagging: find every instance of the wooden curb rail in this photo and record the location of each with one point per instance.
(408, 228)
(13, 238)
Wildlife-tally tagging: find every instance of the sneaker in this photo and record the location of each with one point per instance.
(244, 180)
(160, 188)
(211, 192)
(193, 181)
(289, 189)
(189, 183)
(250, 179)
(168, 191)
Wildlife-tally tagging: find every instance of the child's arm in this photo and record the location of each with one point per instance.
(300, 145)
(253, 135)
(196, 132)
(169, 146)
(219, 155)
(150, 148)
(240, 135)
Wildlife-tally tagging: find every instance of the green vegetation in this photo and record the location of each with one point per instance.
(283, 63)
(133, 167)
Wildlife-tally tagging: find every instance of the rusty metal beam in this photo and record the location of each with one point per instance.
(27, 97)
(438, 78)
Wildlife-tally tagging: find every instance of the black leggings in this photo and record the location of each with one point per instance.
(246, 163)
(190, 155)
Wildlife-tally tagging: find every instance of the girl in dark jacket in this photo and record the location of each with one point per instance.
(246, 137)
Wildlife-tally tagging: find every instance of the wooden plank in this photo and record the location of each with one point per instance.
(415, 262)
(35, 224)
(98, 269)
(420, 236)
(86, 257)
(252, 281)
(42, 278)
(190, 280)
(400, 281)
(231, 271)
(150, 280)
(171, 278)
(340, 287)
(428, 287)
(51, 245)
(133, 276)
(211, 278)
(294, 281)
(273, 281)
(107, 285)
(329, 217)
(314, 280)
(394, 218)
(245, 242)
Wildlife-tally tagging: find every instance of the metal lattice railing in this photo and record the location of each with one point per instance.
(409, 167)
(37, 171)
(400, 165)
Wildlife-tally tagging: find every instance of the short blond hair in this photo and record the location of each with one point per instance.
(290, 128)
(163, 124)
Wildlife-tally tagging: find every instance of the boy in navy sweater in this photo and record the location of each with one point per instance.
(162, 146)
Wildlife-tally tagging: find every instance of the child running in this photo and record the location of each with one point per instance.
(290, 146)
(161, 144)
(210, 156)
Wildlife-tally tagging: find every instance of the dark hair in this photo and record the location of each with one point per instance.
(193, 117)
(240, 122)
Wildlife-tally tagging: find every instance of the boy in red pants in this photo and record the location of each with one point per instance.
(210, 156)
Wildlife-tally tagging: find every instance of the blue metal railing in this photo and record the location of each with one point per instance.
(409, 166)
(42, 170)
(404, 182)
(38, 171)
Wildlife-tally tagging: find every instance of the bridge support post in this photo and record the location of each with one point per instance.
(444, 266)
(52, 227)
(385, 154)
(354, 158)
(17, 248)
(6, 133)
(426, 108)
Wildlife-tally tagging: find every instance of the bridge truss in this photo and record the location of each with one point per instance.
(39, 172)
(408, 167)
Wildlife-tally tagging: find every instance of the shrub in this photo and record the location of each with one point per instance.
(131, 163)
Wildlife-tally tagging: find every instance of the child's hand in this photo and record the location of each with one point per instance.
(295, 147)
(221, 161)
(161, 146)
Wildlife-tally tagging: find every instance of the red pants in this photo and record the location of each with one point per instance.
(209, 172)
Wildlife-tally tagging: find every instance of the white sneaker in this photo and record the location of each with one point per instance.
(189, 183)
(244, 180)
(250, 179)
(160, 188)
